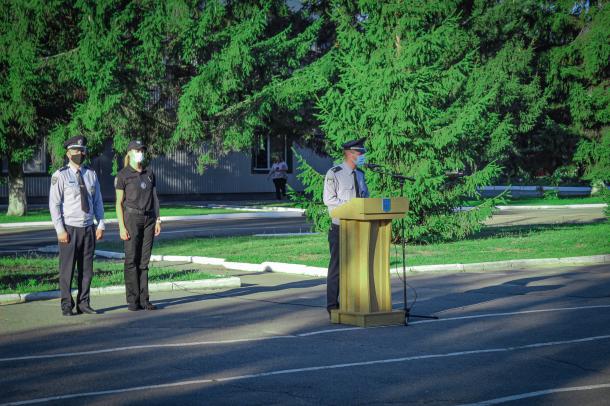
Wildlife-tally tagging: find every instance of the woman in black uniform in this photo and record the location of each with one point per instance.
(137, 208)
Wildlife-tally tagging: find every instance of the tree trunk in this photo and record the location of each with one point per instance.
(17, 201)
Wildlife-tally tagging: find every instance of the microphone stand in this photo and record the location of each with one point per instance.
(401, 180)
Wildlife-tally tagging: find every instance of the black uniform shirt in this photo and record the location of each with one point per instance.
(138, 187)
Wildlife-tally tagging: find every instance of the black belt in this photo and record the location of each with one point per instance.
(131, 210)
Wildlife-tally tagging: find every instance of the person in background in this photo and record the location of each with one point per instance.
(342, 183)
(279, 174)
(75, 199)
(137, 207)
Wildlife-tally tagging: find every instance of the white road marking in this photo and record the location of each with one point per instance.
(480, 316)
(335, 330)
(300, 335)
(311, 369)
(537, 393)
(191, 344)
(141, 347)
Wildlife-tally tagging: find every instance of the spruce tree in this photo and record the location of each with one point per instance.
(411, 82)
(37, 38)
(438, 87)
(182, 73)
(119, 68)
(565, 134)
(251, 75)
(578, 77)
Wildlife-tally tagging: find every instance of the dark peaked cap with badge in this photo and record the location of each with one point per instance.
(135, 144)
(76, 142)
(355, 145)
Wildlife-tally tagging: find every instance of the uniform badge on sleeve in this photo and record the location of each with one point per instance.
(54, 180)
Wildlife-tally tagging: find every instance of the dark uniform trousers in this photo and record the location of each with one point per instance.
(280, 187)
(78, 251)
(141, 228)
(332, 279)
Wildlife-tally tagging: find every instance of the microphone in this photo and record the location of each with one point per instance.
(381, 169)
(372, 166)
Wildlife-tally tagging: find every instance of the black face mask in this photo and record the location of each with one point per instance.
(77, 159)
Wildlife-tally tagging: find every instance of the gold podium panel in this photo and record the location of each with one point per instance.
(365, 296)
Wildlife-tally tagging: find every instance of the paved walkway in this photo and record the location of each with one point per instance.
(517, 216)
(24, 239)
(533, 336)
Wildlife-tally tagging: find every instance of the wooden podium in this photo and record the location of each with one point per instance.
(365, 296)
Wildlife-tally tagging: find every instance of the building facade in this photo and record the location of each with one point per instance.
(238, 175)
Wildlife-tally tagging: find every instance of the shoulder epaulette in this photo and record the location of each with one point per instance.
(63, 169)
(359, 170)
(336, 169)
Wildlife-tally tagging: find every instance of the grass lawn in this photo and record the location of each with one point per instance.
(38, 274)
(109, 213)
(539, 201)
(492, 244)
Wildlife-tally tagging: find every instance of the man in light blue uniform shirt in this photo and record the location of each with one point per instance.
(342, 183)
(75, 199)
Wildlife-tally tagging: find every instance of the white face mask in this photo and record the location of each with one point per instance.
(138, 156)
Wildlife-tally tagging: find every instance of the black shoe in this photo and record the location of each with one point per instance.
(149, 306)
(85, 309)
(67, 312)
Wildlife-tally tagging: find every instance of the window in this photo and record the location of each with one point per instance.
(265, 148)
(37, 165)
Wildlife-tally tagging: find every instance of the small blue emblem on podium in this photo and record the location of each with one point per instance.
(387, 205)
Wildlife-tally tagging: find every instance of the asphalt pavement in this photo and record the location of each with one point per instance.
(538, 336)
(535, 336)
(518, 216)
(27, 239)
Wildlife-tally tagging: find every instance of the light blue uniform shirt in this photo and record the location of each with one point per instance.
(64, 199)
(339, 187)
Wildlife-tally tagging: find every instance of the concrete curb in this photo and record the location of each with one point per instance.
(284, 234)
(202, 284)
(548, 207)
(259, 213)
(298, 269)
(509, 265)
(294, 269)
(262, 208)
(221, 262)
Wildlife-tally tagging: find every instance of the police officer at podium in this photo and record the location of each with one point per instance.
(341, 184)
(75, 199)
